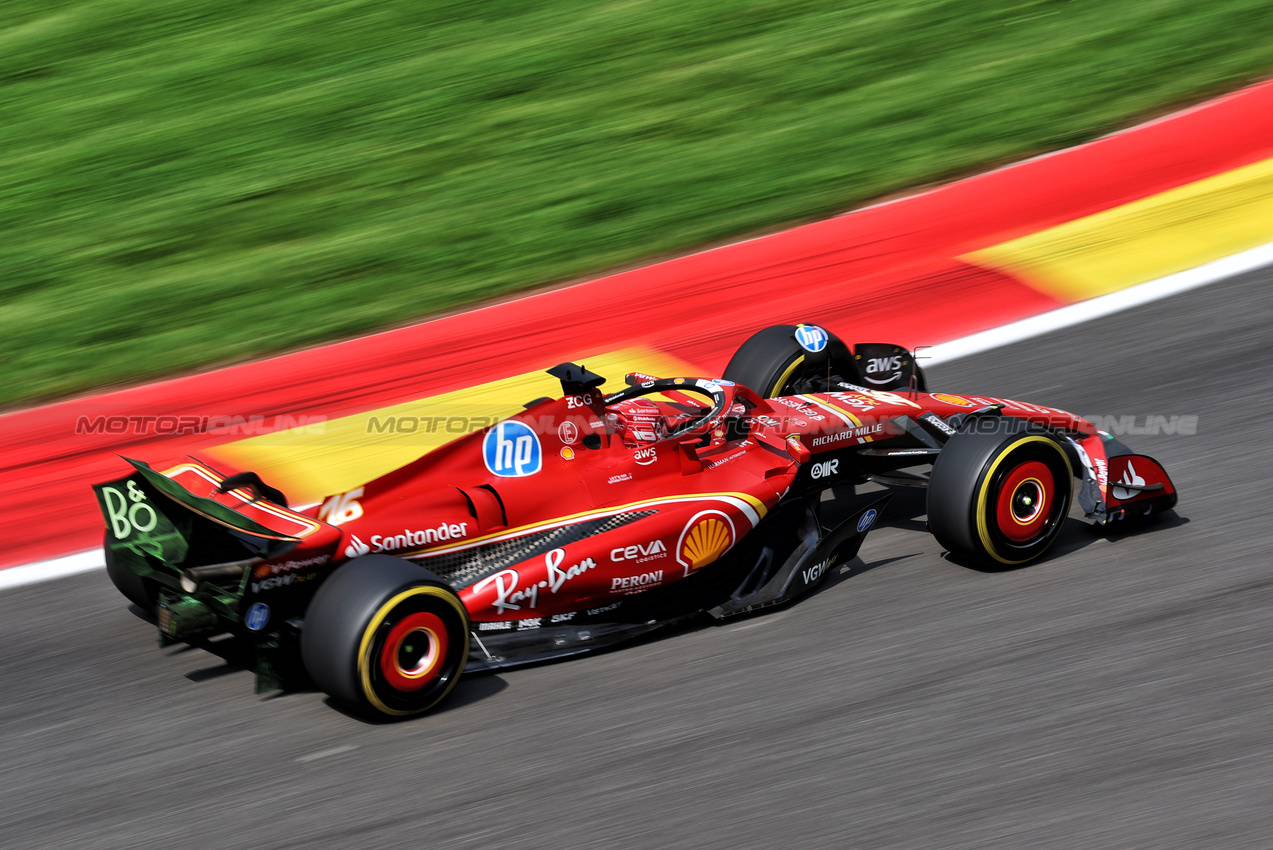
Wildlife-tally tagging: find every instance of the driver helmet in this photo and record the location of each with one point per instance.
(638, 421)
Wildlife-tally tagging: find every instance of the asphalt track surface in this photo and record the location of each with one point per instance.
(1115, 695)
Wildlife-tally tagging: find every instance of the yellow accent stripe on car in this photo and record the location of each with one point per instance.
(751, 507)
(851, 415)
(308, 524)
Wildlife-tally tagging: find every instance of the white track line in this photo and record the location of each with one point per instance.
(1074, 314)
(57, 568)
(1104, 305)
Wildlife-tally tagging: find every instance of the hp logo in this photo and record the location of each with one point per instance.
(511, 450)
(811, 338)
(258, 615)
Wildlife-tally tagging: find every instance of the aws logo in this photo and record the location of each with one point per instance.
(706, 537)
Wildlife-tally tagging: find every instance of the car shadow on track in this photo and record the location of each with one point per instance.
(471, 689)
(238, 657)
(1077, 534)
(908, 511)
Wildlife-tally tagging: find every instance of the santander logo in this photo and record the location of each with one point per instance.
(1129, 477)
(356, 548)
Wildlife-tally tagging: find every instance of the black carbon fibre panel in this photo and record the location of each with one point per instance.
(461, 569)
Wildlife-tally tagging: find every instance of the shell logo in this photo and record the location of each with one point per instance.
(953, 399)
(706, 537)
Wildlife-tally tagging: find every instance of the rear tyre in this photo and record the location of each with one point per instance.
(140, 591)
(999, 492)
(385, 637)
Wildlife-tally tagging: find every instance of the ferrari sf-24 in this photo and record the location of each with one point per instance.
(592, 518)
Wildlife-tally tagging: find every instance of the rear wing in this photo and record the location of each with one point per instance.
(180, 517)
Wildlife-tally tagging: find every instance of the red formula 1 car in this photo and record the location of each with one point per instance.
(592, 518)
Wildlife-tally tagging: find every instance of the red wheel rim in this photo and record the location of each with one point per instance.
(413, 652)
(1024, 498)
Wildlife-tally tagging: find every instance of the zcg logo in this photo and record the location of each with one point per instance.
(511, 450)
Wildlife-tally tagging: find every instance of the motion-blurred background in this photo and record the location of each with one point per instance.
(191, 183)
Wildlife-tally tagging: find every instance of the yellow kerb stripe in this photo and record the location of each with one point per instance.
(1147, 239)
(312, 462)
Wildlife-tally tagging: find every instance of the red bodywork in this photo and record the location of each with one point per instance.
(630, 515)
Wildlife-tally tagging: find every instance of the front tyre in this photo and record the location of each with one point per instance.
(773, 363)
(999, 492)
(385, 636)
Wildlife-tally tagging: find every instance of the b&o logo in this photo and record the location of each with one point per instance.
(811, 338)
(129, 513)
(511, 450)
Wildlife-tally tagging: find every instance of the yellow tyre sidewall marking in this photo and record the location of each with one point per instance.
(983, 532)
(366, 663)
(795, 364)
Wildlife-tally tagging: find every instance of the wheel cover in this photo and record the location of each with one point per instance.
(412, 654)
(413, 650)
(1011, 531)
(1023, 501)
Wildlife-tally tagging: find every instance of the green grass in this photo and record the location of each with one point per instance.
(186, 182)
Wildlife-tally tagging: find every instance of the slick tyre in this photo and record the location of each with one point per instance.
(772, 363)
(999, 493)
(142, 592)
(385, 637)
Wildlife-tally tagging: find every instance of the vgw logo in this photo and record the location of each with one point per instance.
(511, 450)
(811, 338)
